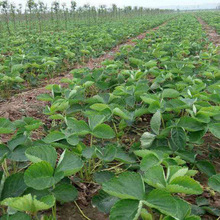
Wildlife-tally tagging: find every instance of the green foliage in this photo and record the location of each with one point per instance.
(133, 127)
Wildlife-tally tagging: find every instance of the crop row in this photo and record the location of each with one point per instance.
(211, 18)
(133, 126)
(31, 56)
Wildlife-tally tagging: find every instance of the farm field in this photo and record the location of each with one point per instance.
(130, 132)
(55, 49)
(212, 18)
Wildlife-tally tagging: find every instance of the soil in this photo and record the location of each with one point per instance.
(69, 211)
(211, 32)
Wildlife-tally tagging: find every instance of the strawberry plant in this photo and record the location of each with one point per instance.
(135, 129)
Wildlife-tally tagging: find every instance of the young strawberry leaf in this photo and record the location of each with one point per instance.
(155, 177)
(14, 186)
(42, 153)
(126, 209)
(178, 138)
(155, 122)
(65, 192)
(149, 161)
(103, 131)
(41, 176)
(69, 163)
(147, 139)
(54, 136)
(6, 126)
(104, 201)
(214, 182)
(170, 93)
(184, 184)
(215, 129)
(30, 204)
(206, 167)
(127, 185)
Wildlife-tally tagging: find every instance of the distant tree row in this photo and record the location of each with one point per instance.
(38, 15)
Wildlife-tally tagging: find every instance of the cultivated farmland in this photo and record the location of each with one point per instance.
(116, 116)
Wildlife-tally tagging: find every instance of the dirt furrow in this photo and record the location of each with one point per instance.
(26, 104)
(213, 36)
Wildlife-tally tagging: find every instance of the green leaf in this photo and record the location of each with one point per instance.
(88, 152)
(126, 210)
(193, 217)
(184, 184)
(197, 210)
(73, 140)
(190, 124)
(212, 210)
(155, 177)
(206, 167)
(155, 122)
(44, 97)
(215, 129)
(154, 106)
(178, 137)
(14, 186)
(167, 204)
(16, 216)
(107, 153)
(78, 127)
(103, 131)
(95, 120)
(103, 176)
(147, 139)
(124, 157)
(187, 156)
(30, 204)
(54, 136)
(104, 201)
(4, 151)
(6, 126)
(170, 93)
(18, 154)
(18, 140)
(202, 201)
(149, 161)
(41, 176)
(69, 163)
(65, 192)
(42, 153)
(127, 185)
(214, 182)
(99, 107)
(175, 171)
(122, 114)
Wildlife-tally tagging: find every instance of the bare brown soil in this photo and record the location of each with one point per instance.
(69, 211)
(26, 104)
(211, 32)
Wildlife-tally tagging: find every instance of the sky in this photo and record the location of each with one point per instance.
(121, 3)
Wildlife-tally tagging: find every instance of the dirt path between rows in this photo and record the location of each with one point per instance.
(26, 104)
(211, 32)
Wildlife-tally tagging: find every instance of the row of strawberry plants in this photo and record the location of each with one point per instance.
(132, 126)
(212, 19)
(29, 55)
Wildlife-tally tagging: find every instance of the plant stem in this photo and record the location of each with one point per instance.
(5, 167)
(116, 131)
(80, 210)
(14, 167)
(163, 121)
(54, 209)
